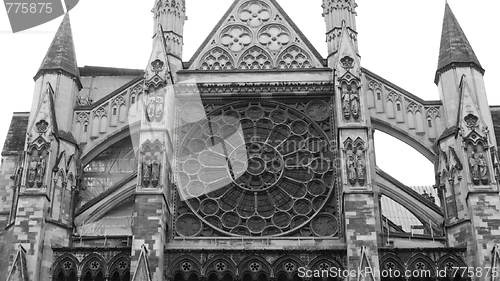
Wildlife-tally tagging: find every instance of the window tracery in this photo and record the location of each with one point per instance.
(274, 37)
(294, 57)
(216, 59)
(255, 169)
(254, 13)
(255, 58)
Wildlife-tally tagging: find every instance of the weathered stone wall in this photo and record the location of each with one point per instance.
(149, 229)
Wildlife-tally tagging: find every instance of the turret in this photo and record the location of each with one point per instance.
(171, 15)
(336, 14)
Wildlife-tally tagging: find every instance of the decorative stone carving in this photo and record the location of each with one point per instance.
(318, 110)
(275, 172)
(157, 66)
(347, 62)
(294, 57)
(255, 13)
(274, 37)
(147, 166)
(151, 167)
(36, 168)
(154, 107)
(255, 58)
(355, 162)
(471, 121)
(83, 101)
(216, 59)
(236, 37)
(118, 100)
(350, 101)
(42, 126)
(155, 172)
(478, 164)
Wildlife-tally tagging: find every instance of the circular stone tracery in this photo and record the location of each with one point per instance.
(264, 166)
(255, 169)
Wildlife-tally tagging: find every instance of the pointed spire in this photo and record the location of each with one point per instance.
(61, 54)
(455, 48)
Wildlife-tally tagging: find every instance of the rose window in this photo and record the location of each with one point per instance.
(235, 38)
(254, 13)
(254, 266)
(274, 37)
(420, 265)
(186, 266)
(258, 169)
(95, 265)
(220, 266)
(450, 266)
(289, 267)
(324, 266)
(390, 266)
(67, 265)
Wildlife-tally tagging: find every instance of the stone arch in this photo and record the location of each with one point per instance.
(425, 149)
(255, 58)
(391, 258)
(445, 261)
(185, 265)
(58, 265)
(87, 265)
(212, 264)
(281, 266)
(416, 260)
(294, 57)
(422, 209)
(119, 265)
(216, 59)
(126, 131)
(249, 265)
(318, 261)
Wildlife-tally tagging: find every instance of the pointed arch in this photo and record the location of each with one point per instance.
(220, 265)
(416, 262)
(254, 265)
(216, 59)
(255, 58)
(294, 57)
(185, 265)
(94, 264)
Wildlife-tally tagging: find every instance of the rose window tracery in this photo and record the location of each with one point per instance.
(235, 38)
(256, 169)
(274, 37)
(255, 13)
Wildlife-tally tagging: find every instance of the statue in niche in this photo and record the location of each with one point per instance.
(155, 173)
(354, 98)
(346, 99)
(40, 171)
(482, 165)
(351, 168)
(474, 168)
(360, 167)
(33, 167)
(146, 172)
(478, 165)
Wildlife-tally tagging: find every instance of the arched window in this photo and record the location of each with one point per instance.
(120, 270)
(65, 271)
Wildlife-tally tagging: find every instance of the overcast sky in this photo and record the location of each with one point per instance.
(398, 40)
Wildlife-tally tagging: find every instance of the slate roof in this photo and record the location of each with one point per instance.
(455, 48)
(14, 142)
(61, 54)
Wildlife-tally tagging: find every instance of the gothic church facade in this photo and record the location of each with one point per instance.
(250, 161)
